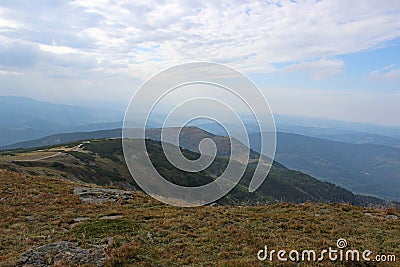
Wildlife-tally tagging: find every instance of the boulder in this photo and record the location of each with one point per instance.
(62, 253)
(101, 195)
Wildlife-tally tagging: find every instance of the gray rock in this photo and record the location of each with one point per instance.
(150, 236)
(62, 253)
(391, 217)
(30, 218)
(101, 195)
(111, 217)
(324, 210)
(80, 219)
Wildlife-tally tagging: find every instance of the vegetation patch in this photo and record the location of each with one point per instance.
(85, 157)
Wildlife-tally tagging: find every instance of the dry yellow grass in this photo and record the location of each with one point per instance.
(37, 210)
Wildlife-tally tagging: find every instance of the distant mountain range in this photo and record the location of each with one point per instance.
(341, 135)
(363, 168)
(353, 155)
(24, 119)
(64, 138)
(333, 134)
(290, 123)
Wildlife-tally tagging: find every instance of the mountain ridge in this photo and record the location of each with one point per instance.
(323, 159)
(100, 161)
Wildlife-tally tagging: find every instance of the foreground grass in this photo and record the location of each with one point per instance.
(37, 210)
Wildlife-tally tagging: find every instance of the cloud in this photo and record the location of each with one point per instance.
(318, 70)
(388, 73)
(2, 72)
(140, 38)
(19, 55)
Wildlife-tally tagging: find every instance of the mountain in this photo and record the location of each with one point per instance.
(362, 168)
(64, 138)
(25, 118)
(283, 121)
(190, 137)
(101, 161)
(333, 134)
(340, 135)
(362, 138)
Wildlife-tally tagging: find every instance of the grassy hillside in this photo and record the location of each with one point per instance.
(37, 210)
(101, 162)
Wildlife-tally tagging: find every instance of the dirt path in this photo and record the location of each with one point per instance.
(76, 148)
(41, 158)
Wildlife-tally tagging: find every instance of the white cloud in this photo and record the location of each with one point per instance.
(319, 69)
(58, 49)
(7, 24)
(18, 55)
(141, 38)
(2, 72)
(388, 73)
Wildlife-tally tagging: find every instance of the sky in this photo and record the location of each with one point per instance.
(328, 58)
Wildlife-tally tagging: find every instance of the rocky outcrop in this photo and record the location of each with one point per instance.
(62, 254)
(101, 195)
